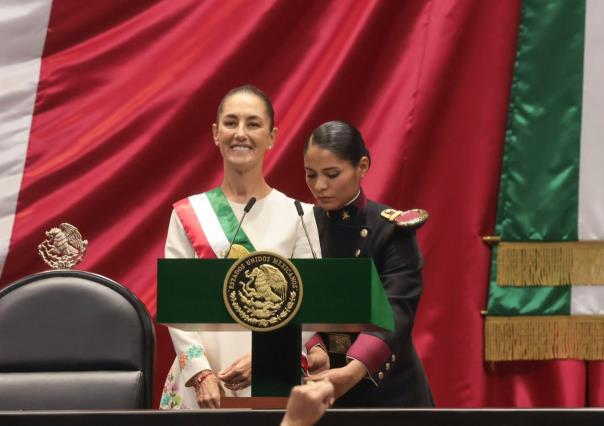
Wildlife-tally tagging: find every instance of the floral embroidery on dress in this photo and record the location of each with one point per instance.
(195, 352)
(182, 360)
(192, 352)
(173, 394)
(170, 398)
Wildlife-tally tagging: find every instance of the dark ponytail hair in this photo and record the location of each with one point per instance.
(342, 139)
(248, 88)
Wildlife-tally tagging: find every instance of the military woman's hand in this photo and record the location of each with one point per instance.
(318, 360)
(344, 378)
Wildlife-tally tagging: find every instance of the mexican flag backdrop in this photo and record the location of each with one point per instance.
(546, 296)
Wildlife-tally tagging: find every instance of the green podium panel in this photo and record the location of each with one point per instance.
(338, 295)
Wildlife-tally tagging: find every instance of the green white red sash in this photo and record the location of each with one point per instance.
(210, 224)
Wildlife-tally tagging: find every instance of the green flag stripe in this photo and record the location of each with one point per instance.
(228, 220)
(539, 184)
(538, 195)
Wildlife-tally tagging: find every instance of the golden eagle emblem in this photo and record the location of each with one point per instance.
(263, 291)
(63, 247)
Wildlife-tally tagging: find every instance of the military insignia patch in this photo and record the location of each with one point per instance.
(407, 219)
(262, 291)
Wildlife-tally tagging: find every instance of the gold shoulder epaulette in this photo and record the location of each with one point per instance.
(411, 219)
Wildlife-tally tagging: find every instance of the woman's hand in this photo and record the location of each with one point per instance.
(238, 375)
(209, 391)
(344, 378)
(318, 360)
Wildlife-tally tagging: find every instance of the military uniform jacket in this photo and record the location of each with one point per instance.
(395, 374)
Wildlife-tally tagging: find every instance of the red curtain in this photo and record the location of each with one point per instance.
(121, 130)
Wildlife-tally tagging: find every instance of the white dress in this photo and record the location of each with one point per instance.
(272, 224)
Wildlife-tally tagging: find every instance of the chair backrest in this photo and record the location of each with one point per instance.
(74, 340)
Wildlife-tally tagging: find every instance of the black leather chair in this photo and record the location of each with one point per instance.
(74, 340)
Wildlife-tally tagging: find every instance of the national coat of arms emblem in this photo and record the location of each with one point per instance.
(63, 247)
(262, 291)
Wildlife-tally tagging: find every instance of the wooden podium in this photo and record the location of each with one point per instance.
(342, 295)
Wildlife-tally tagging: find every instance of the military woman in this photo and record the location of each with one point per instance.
(369, 368)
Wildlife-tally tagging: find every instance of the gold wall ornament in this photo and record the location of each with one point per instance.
(262, 291)
(63, 247)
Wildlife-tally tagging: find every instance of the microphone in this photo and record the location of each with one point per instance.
(301, 213)
(246, 210)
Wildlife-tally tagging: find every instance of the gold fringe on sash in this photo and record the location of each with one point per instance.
(544, 337)
(550, 264)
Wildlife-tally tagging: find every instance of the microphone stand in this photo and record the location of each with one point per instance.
(301, 213)
(246, 210)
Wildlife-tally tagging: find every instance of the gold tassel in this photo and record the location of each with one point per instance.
(550, 264)
(544, 338)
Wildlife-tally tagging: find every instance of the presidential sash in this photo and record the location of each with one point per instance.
(210, 224)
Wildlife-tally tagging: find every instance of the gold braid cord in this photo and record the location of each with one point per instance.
(550, 264)
(544, 338)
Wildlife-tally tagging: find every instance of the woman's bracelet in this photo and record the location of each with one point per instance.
(201, 377)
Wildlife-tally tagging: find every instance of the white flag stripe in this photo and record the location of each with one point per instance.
(591, 179)
(210, 224)
(23, 25)
(590, 299)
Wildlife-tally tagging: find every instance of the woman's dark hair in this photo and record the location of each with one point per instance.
(248, 88)
(342, 139)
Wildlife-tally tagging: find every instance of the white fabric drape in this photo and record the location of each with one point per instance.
(23, 25)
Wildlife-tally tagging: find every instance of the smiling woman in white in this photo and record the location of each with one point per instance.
(208, 364)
